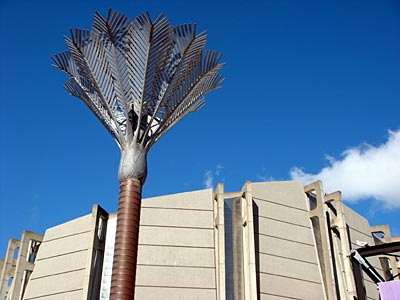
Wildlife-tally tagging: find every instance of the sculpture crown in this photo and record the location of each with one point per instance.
(139, 77)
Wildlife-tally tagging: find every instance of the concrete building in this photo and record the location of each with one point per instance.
(271, 240)
(16, 268)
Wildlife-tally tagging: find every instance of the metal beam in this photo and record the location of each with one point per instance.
(381, 249)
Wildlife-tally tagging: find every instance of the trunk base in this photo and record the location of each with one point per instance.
(126, 240)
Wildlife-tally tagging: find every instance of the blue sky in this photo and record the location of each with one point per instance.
(312, 91)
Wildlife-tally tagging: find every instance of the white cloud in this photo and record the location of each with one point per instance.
(218, 170)
(265, 178)
(363, 172)
(208, 179)
(210, 175)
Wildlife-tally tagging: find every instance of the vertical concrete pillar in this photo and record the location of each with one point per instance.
(95, 255)
(219, 235)
(9, 266)
(24, 266)
(339, 222)
(244, 265)
(249, 260)
(318, 215)
(237, 249)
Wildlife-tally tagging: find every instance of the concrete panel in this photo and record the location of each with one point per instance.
(61, 264)
(176, 217)
(69, 228)
(56, 284)
(289, 193)
(284, 230)
(202, 199)
(186, 237)
(355, 220)
(176, 256)
(376, 263)
(290, 288)
(68, 244)
(73, 295)
(372, 289)
(285, 248)
(157, 293)
(286, 258)
(281, 212)
(355, 235)
(289, 268)
(275, 297)
(179, 277)
(171, 260)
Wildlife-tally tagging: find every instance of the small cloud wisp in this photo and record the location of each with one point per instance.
(210, 175)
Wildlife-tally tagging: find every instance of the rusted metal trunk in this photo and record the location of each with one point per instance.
(126, 240)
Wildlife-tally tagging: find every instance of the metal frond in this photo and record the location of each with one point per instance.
(139, 77)
(192, 99)
(65, 63)
(76, 90)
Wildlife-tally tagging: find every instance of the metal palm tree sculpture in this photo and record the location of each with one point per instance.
(139, 78)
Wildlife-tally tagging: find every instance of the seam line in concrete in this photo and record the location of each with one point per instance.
(173, 208)
(178, 246)
(176, 287)
(47, 295)
(281, 221)
(360, 232)
(62, 254)
(65, 236)
(280, 204)
(289, 258)
(177, 266)
(56, 274)
(294, 278)
(283, 297)
(179, 227)
(280, 238)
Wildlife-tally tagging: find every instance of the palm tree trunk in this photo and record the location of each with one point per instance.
(126, 240)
